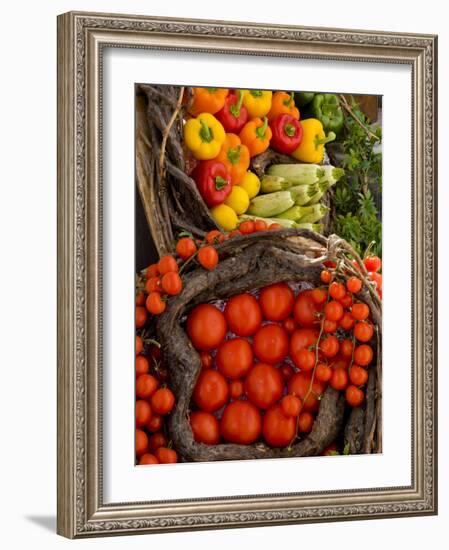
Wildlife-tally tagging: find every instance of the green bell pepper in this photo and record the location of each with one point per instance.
(303, 98)
(326, 108)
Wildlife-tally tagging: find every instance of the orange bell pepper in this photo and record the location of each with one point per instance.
(235, 157)
(283, 103)
(208, 100)
(256, 135)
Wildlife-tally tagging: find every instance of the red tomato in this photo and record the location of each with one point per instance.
(305, 422)
(286, 371)
(234, 358)
(301, 339)
(354, 396)
(214, 237)
(146, 385)
(162, 401)
(205, 427)
(333, 310)
(376, 278)
(148, 458)
(299, 385)
(275, 226)
(152, 271)
(363, 355)
(155, 423)
(171, 283)
(340, 362)
(155, 304)
(236, 389)
(206, 327)
(140, 299)
(139, 345)
(306, 310)
(372, 263)
(206, 360)
(141, 316)
(289, 325)
(166, 455)
(291, 405)
(329, 326)
(260, 225)
(337, 290)
(339, 379)
(305, 359)
(278, 429)
(346, 301)
(270, 344)
(143, 412)
(241, 422)
(354, 284)
(141, 443)
(247, 227)
(153, 284)
(185, 247)
(276, 301)
(167, 264)
(347, 321)
(208, 257)
(358, 375)
(360, 311)
(319, 296)
(326, 277)
(211, 390)
(346, 348)
(142, 365)
(157, 440)
(363, 331)
(329, 346)
(243, 314)
(263, 385)
(323, 372)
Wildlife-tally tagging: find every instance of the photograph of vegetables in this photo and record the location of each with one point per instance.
(258, 274)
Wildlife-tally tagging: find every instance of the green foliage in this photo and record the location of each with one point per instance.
(354, 198)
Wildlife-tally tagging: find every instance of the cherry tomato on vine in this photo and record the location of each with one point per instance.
(360, 311)
(141, 316)
(143, 412)
(140, 299)
(323, 372)
(141, 443)
(354, 284)
(363, 331)
(146, 385)
(214, 237)
(329, 346)
(305, 422)
(208, 257)
(363, 355)
(142, 365)
(243, 314)
(305, 359)
(162, 401)
(376, 278)
(260, 225)
(329, 326)
(354, 396)
(333, 311)
(167, 264)
(306, 310)
(152, 271)
(372, 263)
(337, 290)
(291, 405)
(319, 296)
(185, 248)
(300, 384)
(171, 283)
(247, 227)
(148, 458)
(339, 379)
(157, 440)
(346, 301)
(276, 301)
(358, 375)
(166, 455)
(347, 321)
(139, 345)
(155, 423)
(346, 348)
(326, 276)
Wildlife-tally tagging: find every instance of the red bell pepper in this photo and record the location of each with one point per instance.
(287, 133)
(233, 115)
(213, 181)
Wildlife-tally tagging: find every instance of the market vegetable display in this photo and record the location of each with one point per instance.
(256, 336)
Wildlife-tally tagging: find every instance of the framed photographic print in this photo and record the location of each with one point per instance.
(246, 274)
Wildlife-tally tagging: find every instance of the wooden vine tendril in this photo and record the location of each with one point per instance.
(250, 262)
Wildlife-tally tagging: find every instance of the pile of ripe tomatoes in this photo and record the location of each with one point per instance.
(267, 358)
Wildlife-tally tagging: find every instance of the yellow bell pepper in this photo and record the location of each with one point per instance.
(257, 102)
(311, 148)
(204, 136)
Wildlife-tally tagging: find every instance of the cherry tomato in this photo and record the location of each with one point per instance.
(241, 422)
(236, 389)
(286, 371)
(376, 278)
(360, 311)
(205, 427)
(276, 301)
(206, 360)
(372, 263)
(306, 310)
(153, 284)
(140, 299)
(141, 316)
(143, 412)
(152, 271)
(141, 442)
(278, 429)
(166, 455)
(155, 304)
(337, 290)
(146, 385)
(329, 326)
(275, 226)
(148, 458)
(333, 311)
(206, 327)
(358, 375)
(346, 301)
(340, 362)
(162, 401)
(326, 276)
(260, 225)
(347, 321)
(167, 264)
(299, 385)
(247, 227)
(354, 396)
(243, 314)
(263, 385)
(329, 346)
(171, 283)
(289, 325)
(291, 405)
(363, 355)
(339, 379)
(319, 296)
(346, 348)
(211, 391)
(208, 257)
(270, 344)
(139, 345)
(142, 365)
(305, 422)
(214, 237)
(157, 440)
(305, 359)
(354, 284)
(185, 248)
(155, 423)
(301, 339)
(330, 263)
(234, 358)
(234, 233)
(363, 331)
(323, 372)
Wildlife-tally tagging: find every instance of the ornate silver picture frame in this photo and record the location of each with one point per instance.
(82, 38)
